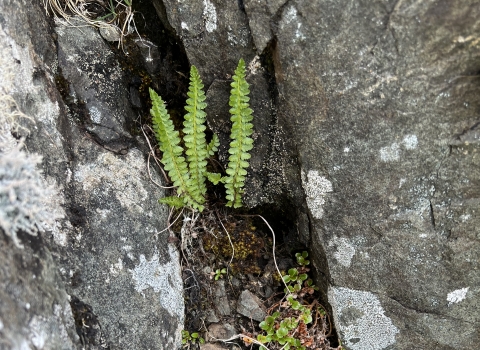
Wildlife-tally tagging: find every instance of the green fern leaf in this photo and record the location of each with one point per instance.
(214, 178)
(242, 143)
(169, 141)
(213, 145)
(172, 201)
(195, 142)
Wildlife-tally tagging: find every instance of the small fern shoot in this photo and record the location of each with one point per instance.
(169, 143)
(194, 138)
(242, 129)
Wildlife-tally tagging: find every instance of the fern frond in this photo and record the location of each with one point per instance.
(212, 147)
(169, 143)
(242, 129)
(194, 138)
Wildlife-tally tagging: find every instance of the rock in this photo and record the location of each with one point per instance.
(221, 331)
(213, 32)
(375, 157)
(89, 66)
(221, 299)
(260, 14)
(110, 32)
(35, 310)
(379, 102)
(212, 317)
(107, 256)
(249, 305)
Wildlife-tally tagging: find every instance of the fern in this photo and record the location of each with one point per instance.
(188, 173)
(242, 129)
(173, 160)
(194, 130)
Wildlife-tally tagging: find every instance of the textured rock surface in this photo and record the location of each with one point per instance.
(107, 256)
(380, 100)
(251, 306)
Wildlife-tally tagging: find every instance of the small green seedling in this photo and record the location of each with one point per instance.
(192, 338)
(219, 273)
(302, 259)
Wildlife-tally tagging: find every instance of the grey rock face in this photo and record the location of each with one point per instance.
(221, 299)
(108, 256)
(90, 67)
(249, 305)
(379, 100)
(34, 311)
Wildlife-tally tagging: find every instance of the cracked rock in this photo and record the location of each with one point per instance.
(250, 305)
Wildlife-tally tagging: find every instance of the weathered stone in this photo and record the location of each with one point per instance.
(380, 103)
(89, 66)
(215, 35)
(221, 299)
(220, 331)
(34, 311)
(212, 317)
(261, 15)
(375, 100)
(249, 305)
(108, 254)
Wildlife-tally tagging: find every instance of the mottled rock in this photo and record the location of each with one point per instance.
(221, 299)
(380, 103)
(212, 317)
(89, 66)
(215, 35)
(249, 305)
(261, 16)
(220, 331)
(375, 98)
(35, 312)
(107, 256)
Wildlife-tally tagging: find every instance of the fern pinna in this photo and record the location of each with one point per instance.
(242, 129)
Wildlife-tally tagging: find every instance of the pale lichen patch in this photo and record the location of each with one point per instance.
(164, 279)
(390, 153)
(316, 187)
(126, 185)
(361, 319)
(410, 142)
(210, 16)
(457, 295)
(344, 251)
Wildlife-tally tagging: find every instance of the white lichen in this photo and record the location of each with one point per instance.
(164, 279)
(457, 295)
(361, 319)
(290, 15)
(390, 153)
(316, 187)
(125, 185)
(410, 142)
(210, 16)
(23, 195)
(95, 115)
(344, 251)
